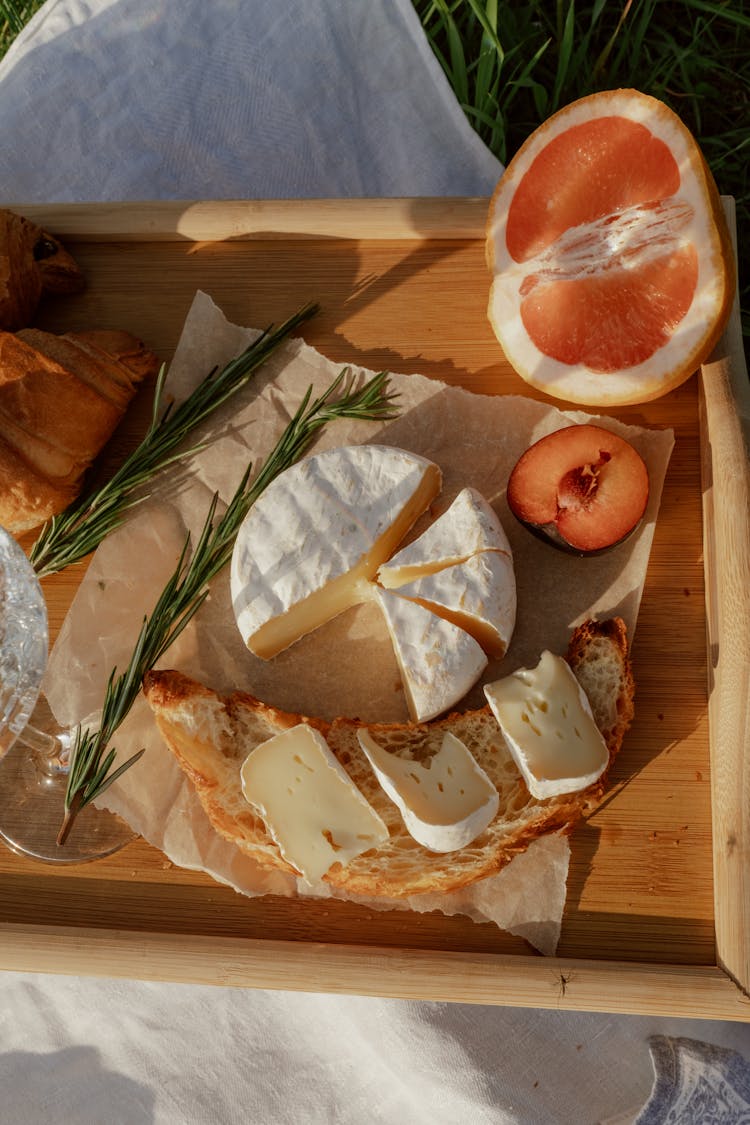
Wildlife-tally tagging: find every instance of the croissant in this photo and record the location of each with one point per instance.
(32, 262)
(61, 398)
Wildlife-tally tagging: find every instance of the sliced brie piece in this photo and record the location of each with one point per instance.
(445, 803)
(468, 526)
(478, 595)
(546, 719)
(312, 541)
(310, 805)
(439, 662)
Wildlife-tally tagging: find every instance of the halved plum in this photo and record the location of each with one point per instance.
(582, 488)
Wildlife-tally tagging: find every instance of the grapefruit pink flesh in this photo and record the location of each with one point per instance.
(640, 308)
(587, 172)
(613, 273)
(617, 165)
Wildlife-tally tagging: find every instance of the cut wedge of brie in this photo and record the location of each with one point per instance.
(478, 595)
(308, 802)
(546, 720)
(467, 527)
(313, 541)
(439, 662)
(446, 803)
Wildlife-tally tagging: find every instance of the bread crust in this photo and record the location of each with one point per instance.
(32, 262)
(59, 404)
(68, 355)
(48, 406)
(26, 498)
(210, 737)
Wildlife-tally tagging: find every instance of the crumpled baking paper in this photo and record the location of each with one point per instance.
(475, 440)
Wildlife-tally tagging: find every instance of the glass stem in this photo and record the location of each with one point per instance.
(52, 751)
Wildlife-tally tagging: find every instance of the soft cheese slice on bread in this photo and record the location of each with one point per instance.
(546, 719)
(211, 736)
(445, 802)
(308, 802)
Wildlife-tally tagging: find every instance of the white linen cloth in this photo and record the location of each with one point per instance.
(183, 99)
(139, 99)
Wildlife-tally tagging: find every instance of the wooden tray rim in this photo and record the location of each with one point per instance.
(720, 991)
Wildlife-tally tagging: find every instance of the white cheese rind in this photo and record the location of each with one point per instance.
(309, 804)
(546, 720)
(446, 803)
(317, 535)
(439, 662)
(468, 526)
(478, 595)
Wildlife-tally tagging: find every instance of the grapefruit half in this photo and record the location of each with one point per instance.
(613, 270)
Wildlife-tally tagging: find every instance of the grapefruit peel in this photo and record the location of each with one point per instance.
(613, 270)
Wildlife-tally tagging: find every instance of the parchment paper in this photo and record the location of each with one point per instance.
(475, 440)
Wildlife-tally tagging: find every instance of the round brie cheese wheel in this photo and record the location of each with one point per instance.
(313, 541)
(322, 538)
(470, 525)
(478, 595)
(439, 662)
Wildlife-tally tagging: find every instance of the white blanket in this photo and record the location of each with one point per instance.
(231, 99)
(139, 99)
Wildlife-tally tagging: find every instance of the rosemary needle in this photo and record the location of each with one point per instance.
(91, 765)
(74, 533)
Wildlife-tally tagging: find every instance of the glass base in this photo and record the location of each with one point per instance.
(32, 805)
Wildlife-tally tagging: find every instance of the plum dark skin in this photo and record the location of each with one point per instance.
(582, 488)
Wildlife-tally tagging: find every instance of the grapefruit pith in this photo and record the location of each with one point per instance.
(613, 271)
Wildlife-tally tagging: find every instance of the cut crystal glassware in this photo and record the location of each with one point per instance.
(34, 753)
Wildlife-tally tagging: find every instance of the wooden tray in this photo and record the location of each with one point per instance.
(658, 910)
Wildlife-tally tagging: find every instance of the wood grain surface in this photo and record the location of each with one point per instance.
(408, 293)
(725, 430)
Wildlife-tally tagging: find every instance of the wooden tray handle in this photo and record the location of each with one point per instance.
(725, 455)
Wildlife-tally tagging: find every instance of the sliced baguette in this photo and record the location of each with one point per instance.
(210, 736)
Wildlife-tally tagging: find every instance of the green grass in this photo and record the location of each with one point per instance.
(512, 63)
(14, 16)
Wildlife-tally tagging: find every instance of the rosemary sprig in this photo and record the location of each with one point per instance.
(91, 765)
(73, 534)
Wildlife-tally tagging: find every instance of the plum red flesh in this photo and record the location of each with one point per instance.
(582, 484)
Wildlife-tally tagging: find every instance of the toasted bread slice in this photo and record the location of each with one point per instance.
(210, 736)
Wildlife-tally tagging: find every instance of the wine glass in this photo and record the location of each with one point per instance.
(34, 758)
